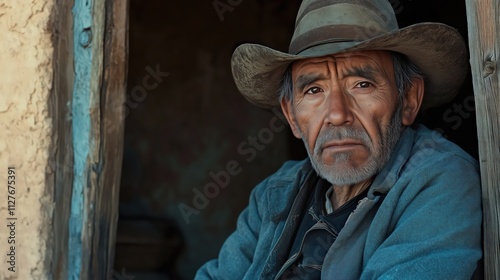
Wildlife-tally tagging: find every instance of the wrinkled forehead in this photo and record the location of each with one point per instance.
(375, 60)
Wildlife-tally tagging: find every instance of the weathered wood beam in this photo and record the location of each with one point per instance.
(111, 146)
(484, 43)
(100, 59)
(63, 159)
(88, 33)
(87, 102)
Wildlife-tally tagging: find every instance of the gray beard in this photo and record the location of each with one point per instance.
(343, 173)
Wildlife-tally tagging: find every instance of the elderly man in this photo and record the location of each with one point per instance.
(379, 196)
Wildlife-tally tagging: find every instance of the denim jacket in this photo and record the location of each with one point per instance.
(421, 219)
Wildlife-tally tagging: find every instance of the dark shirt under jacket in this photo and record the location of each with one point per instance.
(316, 233)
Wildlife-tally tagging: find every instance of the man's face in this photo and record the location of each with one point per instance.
(347, 111)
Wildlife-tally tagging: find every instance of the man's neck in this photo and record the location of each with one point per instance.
(342, 194)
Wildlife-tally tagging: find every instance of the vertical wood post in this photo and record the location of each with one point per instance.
(60, 98)
(484, 44)
(112, 119)
(100, 55)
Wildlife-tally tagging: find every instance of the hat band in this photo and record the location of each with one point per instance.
(332, 34)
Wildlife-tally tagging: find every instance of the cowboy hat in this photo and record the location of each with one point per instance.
(325, 27)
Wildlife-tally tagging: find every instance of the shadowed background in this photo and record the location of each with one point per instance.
(187, 126)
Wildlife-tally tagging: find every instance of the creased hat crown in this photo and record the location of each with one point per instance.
(328, 21)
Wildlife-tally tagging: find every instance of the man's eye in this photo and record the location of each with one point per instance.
(364, 85)
(313, 90)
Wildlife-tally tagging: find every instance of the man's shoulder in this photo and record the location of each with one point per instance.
(286, 177)
(291, 169)
(277, 192)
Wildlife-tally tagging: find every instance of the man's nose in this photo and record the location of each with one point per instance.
(338, 108)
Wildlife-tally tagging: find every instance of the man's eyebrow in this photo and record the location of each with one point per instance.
(304, 80)
(367, 72)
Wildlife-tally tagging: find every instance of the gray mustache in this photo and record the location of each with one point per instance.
(341, 133)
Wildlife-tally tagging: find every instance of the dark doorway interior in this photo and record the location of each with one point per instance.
(188, 129)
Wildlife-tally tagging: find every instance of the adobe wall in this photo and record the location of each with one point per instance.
(26, 53)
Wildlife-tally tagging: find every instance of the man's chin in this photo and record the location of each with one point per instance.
(341, 165)
(344, 174)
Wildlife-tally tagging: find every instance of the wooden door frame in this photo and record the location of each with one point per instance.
(484, 46)
(90, 70)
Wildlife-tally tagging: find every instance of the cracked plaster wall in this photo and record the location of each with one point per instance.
(26, 53)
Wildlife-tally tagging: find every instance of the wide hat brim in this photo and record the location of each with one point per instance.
(437, 49)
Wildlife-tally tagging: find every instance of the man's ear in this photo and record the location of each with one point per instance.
(286, 106)
(412, 101)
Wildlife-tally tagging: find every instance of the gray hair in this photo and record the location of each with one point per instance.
(404, 73)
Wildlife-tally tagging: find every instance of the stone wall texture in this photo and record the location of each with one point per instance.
(26, 53)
